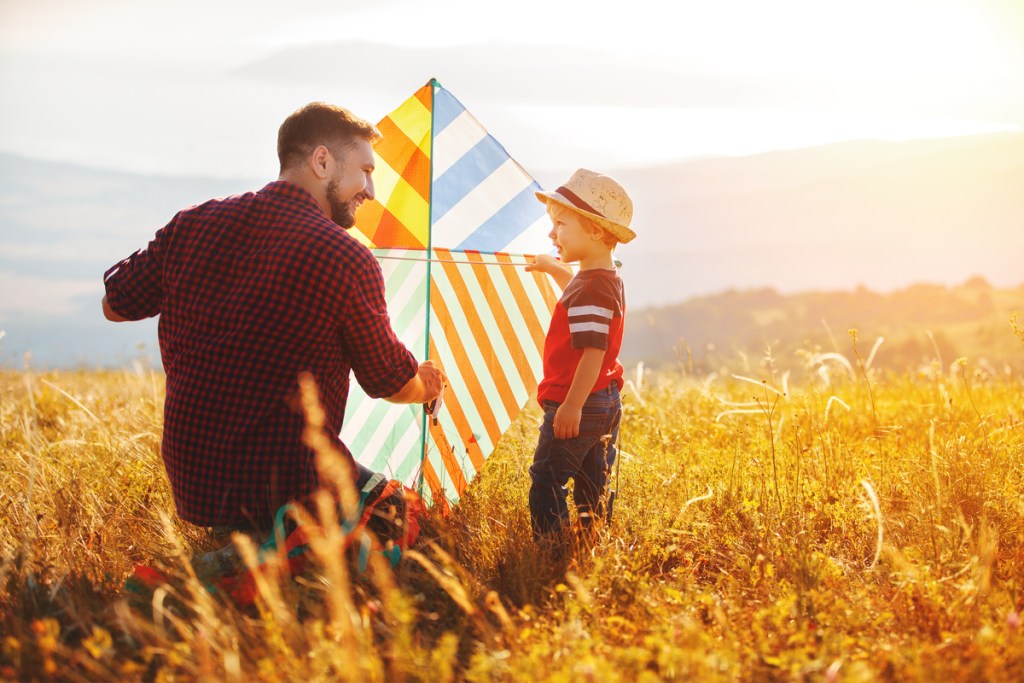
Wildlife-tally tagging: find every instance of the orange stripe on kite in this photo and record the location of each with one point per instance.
(451, 463)
(509, 333)
(454, 408)
(426, 95)
(513, 277)
(391, 233)
(434, 483)
(469, 378)
(395, 147)
(417, 173)
(479, 332)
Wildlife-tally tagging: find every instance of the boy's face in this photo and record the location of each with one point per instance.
(573, 235)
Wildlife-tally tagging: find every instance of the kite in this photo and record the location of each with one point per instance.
(453, 224)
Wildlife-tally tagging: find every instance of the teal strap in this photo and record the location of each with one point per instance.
(270, 545)
(367, 489)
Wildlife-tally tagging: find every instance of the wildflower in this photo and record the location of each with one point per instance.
(99, 643)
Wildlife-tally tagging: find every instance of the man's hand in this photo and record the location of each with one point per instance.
(423, 387)
(567, 421)
(110, 314)
(433, 379)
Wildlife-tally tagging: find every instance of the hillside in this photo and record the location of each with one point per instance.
(920, 323)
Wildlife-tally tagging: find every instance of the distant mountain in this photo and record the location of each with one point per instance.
(61, 227)
(920, 324)
(882, 215)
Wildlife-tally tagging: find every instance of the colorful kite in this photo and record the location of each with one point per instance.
(454, 219)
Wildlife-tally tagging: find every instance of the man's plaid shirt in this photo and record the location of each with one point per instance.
(252, 290)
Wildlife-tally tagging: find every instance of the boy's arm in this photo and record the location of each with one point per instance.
(546, 263)
(567, 417)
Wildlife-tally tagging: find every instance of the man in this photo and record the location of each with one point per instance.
(253, 290)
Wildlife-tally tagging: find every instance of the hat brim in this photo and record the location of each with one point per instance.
(619, 232)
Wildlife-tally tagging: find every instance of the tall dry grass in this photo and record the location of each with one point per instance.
(850, 526)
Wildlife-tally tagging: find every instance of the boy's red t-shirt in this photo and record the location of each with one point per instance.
(589, 314)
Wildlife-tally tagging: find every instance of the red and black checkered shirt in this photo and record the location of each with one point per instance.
(252, 290)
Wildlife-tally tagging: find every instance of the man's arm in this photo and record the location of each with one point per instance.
(110, 314)
(135, 284)
(424, 386)
(568, 415)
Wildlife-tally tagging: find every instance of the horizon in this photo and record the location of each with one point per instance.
(136, 345)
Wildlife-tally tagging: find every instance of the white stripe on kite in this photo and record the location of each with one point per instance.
(484, 201)
(534, 238)
(498, 342)
(517, 316)
(460, 136)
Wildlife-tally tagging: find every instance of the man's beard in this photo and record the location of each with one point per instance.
(341, 212)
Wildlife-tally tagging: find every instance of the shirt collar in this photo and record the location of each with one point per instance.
(298, 195)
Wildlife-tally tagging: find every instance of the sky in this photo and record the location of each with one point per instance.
(197, 87)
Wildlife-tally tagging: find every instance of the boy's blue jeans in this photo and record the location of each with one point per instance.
(587, 459)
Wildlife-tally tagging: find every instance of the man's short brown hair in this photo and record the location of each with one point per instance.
(317, 124)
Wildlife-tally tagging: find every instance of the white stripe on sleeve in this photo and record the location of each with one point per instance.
(575, 328)
(577, 311)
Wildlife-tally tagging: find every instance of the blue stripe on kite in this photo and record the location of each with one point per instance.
(465, 175)
(508, 223)
(446, 109)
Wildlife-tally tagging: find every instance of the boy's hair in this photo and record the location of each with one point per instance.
(609, 239)
(317, 124)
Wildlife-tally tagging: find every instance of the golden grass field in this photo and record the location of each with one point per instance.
(862, 527)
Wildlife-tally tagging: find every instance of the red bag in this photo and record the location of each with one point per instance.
(388, 523)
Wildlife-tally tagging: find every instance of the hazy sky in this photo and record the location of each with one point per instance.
(199, 87)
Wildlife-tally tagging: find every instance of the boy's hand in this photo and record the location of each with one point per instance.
(545, 263)
(567, 422)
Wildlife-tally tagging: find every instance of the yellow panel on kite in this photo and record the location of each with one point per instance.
(400, 215)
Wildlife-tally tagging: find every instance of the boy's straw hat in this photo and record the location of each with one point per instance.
(599, 198)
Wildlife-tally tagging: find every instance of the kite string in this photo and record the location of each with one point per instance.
(460, 263)
(618, 263)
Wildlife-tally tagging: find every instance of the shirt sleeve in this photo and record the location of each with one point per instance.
(382, 364)
(134, 285)
(590, 310)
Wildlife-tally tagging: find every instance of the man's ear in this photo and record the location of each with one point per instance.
(319, 158)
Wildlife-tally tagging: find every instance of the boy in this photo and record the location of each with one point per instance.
(590, 214)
